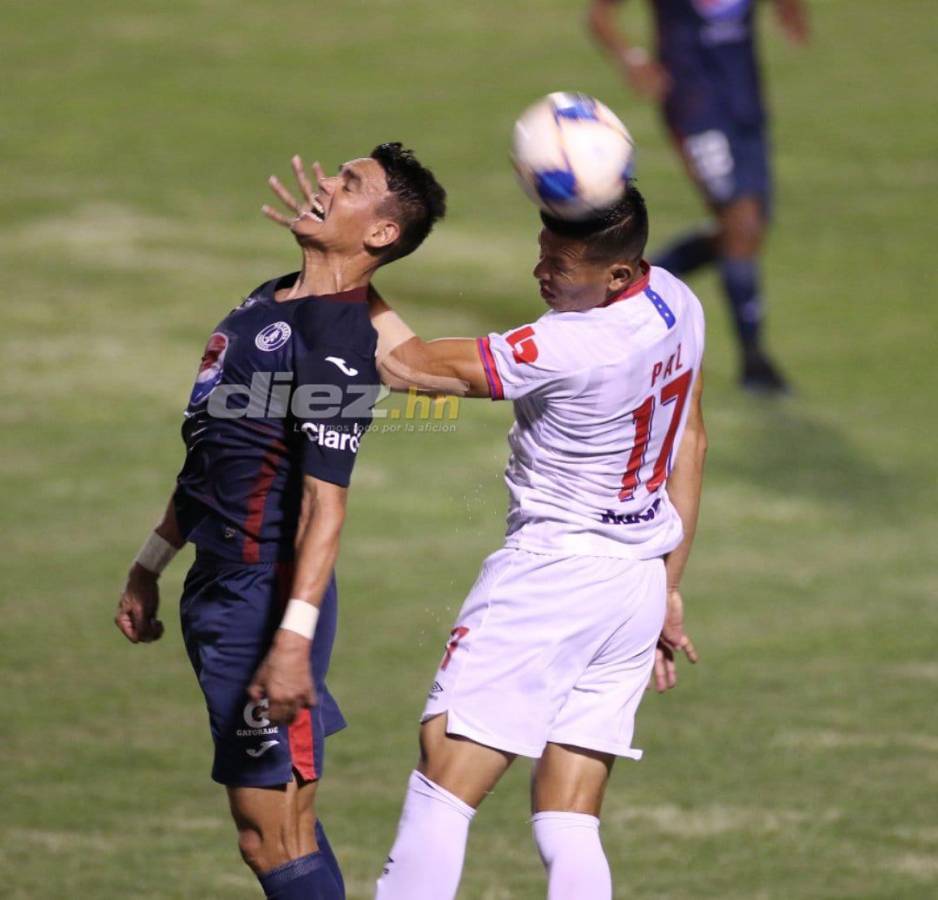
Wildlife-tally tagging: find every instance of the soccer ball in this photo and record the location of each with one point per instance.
(572, 154)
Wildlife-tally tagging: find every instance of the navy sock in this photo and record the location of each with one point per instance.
(741, 283)
(687, 253)
(329, 856)
(306, 878)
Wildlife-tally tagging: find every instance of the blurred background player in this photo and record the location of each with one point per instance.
(280, 404)
(552, 649)
(706, 76)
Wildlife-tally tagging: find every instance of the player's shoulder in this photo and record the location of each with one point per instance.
(267, 290)
(562, 339)
(674, 292)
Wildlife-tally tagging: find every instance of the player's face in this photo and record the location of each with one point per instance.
(568, 282)
(346, 208)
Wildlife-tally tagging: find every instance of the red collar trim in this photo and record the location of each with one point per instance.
(636, 288)
(355, 295)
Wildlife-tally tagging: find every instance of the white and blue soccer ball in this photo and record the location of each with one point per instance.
(573, 155)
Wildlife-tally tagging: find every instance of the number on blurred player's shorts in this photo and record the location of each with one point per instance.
(673, 392)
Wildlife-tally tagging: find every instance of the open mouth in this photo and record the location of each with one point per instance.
(318, 211)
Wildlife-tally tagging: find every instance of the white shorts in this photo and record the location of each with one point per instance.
(552, 648)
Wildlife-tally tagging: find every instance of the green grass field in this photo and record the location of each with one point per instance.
(799, 760)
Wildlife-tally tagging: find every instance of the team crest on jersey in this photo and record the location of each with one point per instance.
(273, 337)
(211, 368)
(721, 9)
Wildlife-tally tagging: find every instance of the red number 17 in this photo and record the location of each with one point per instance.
(673, 392)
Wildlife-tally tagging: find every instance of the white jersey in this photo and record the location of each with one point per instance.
(601, 399)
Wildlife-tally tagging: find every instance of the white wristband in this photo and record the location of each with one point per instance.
(300, 617)
(155, 554)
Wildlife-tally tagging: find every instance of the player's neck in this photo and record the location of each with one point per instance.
(324, 273)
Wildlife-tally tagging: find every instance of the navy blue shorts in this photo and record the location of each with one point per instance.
(727, 159)
(229, 613)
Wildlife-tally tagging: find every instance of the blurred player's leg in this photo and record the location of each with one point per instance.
(567, 796)
(689, 252)
(454, 776)
(729, 164)
(742, 229)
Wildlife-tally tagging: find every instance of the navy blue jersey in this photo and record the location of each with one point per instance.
(283, 389)
(708, 48)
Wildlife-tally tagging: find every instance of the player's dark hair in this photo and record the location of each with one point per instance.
(617, 233)
(417, 200)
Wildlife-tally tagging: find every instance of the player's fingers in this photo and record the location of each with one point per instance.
(282, 713)
(275, 216)
(689, 650)
(138, 620)
(255, 691)
(299, 169)
(148, 628)
(660, 676)
(286, 197)
(125, 626)
(670, 673)
(319, 173)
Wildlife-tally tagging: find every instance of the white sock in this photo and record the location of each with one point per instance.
(577, 868)
(426, 860)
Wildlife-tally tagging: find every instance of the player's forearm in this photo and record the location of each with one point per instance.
(168, 526)
(404, 362)
(601, 20)
(684, 490)
(442, 366)
(317, 541)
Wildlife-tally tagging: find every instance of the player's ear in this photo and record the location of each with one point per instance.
(383, 233)
(620, 274)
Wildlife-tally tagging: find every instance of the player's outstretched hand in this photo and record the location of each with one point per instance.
(287, 199)
(673, 641)
(284, 678)
(137, 608)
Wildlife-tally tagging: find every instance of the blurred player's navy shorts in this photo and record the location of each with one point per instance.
(728, 158)
(229, 613)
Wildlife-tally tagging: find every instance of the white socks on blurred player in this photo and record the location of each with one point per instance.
(426, 860)
(573, 856)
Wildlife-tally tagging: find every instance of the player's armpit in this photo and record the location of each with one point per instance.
(447, 365)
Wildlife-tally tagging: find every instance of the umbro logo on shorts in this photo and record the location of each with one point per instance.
(436, 688)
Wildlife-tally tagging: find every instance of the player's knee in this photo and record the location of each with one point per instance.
(742, 229)
(432, 736)
(260, 853)
(251, 845)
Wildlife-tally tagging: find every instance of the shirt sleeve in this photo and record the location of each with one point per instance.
(522, 361)
(334, 390)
